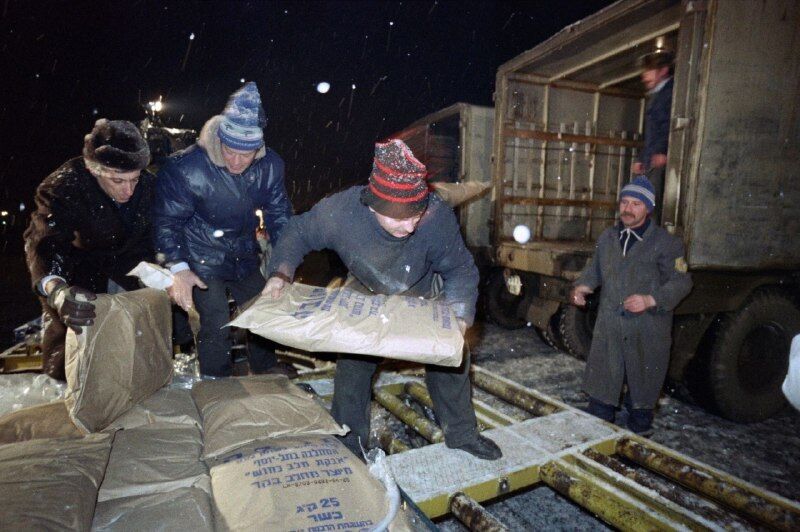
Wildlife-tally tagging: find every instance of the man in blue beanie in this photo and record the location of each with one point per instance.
(205, 222)
(643, 275)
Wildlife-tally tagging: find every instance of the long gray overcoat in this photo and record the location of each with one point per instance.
(636, 345)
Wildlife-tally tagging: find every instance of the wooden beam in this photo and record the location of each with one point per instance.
(559, 202)
(568, 137)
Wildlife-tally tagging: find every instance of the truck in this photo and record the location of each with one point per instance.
(569, 116)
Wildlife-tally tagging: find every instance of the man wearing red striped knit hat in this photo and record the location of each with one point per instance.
(395, 238)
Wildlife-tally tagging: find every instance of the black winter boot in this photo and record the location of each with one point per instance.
(640, 421)
(601, 410)
(481, 447)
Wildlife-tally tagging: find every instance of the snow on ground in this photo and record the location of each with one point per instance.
(766, 454)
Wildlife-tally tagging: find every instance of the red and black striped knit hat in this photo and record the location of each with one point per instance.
(397, 185)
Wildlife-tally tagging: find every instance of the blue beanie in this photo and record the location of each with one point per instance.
(243, 120)
(642, 189)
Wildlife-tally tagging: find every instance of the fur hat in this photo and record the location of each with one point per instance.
(641, 189)
(243, 120)
(117, 144)
(397, 185)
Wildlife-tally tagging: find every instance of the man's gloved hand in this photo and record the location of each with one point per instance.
(73, 306)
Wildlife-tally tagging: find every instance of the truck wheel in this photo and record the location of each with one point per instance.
(501, 305)
(577, 327)
(551, 335)
(750, 357)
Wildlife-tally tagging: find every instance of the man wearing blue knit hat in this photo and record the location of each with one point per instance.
(643, 275)
(204, 219)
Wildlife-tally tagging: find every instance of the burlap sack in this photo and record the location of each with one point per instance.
(237, 411)
(51, 484)
(167, 405)
(154, 458)
(342, 320)
(454, 194)
(38, 422)
(180, 509)
(300, 485)
(123, 358)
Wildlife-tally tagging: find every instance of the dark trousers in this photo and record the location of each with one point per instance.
(656, 177)
(213, 339)
(449, 388)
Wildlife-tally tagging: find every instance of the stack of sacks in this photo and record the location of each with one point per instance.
(115, 373)
(275, 464)
(155, 477)
(155, 480)
(52, 484)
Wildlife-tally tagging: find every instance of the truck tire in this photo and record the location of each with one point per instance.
(500, 305)
(750, 357)
(577, 328)
(551, 335)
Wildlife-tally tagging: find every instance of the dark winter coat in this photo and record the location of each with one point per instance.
(78, 232)
(381, 262)
(626, 344)
(656, 124)
(205, 216)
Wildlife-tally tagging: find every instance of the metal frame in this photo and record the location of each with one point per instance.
(593, 474)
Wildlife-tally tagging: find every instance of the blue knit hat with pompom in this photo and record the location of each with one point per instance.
(642, 189)
(243, 120)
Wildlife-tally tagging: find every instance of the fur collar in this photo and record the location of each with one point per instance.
(209, 141)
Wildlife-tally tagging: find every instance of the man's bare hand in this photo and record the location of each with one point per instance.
(181, 290)
(637, 168)
(578, 295)
(638, 303)
(274, 287)
(658, 160)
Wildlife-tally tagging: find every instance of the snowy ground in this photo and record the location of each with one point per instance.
(766, 454)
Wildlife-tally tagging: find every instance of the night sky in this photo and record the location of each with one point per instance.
(65, 64)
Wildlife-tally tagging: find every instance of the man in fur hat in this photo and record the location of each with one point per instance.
(205, 224)
(643, 275)
(90, 228)
(395, 238)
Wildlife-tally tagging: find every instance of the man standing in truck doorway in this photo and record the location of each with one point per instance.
(643, 274)
(656, 76)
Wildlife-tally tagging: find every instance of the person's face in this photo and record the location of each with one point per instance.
(632, 212)
(118, 185)
(237, 161)
(399, 228)
(654, 76)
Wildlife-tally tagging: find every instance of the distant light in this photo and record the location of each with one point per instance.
(323, 87)
(3, 213)
(259, 213)
(191, 37)
(522, 233)
(21, 207)
(156, 106)
(353, 86)
(391, 23)
(241, 80)
(95, 111)
(219, 233)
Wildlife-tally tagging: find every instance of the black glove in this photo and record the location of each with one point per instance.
(73, 306)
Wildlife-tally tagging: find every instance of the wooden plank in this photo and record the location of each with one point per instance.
(581, 86)
(568, 137)
(559, 202)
